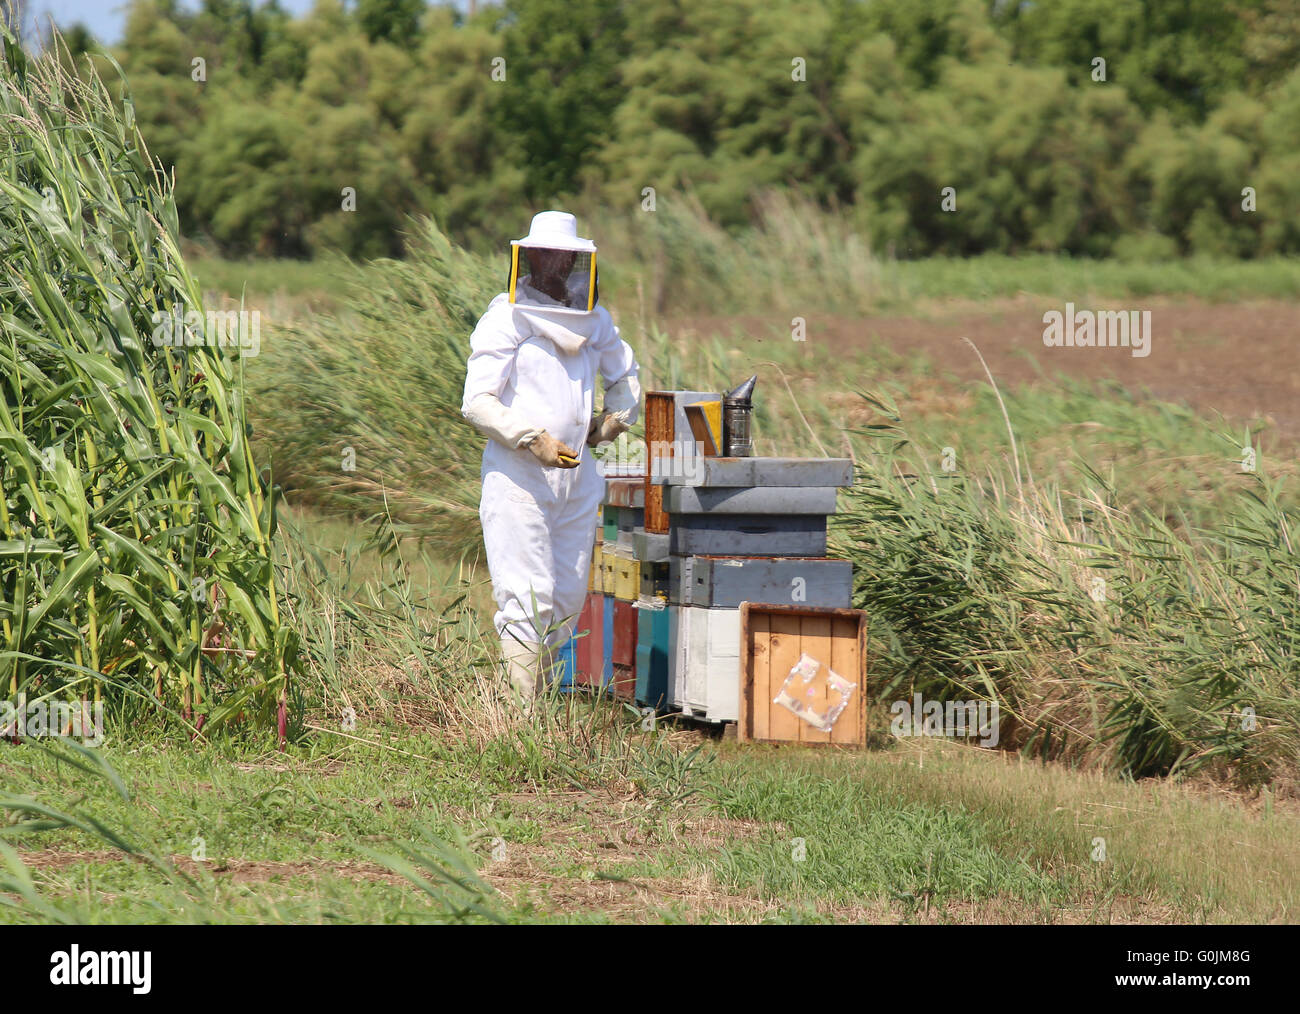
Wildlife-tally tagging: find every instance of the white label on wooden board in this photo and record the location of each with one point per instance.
(799, 691)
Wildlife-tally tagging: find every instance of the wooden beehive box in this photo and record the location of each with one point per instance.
(665, 424)
(772, 641)
(622, 649)
(591, 641)
(621, 573)
(659, 407)
(652, 654)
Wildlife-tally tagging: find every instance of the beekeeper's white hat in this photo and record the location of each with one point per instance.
(557, 230)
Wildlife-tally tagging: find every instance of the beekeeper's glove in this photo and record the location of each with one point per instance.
(622, 400)
(604, 429)
(550, 451)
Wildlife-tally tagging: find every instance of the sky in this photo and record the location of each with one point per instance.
(106, 18)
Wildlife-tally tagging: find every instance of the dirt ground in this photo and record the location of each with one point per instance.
(1238, 359)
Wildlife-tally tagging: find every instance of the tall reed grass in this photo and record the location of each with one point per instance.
(361, 408)
(135, 525)
(1099, 630)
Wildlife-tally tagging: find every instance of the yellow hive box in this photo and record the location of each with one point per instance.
(622, 573)
(596, 579)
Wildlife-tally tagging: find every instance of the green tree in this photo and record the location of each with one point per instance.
(1182, 57)
(753, 103)
(562, 86)
(396, 21)
(453, 133)
(1033, 165)
(243, 179)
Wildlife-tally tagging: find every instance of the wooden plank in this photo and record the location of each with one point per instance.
(644, 647)
(652, 658)
(660, 645)
(678, 639)
(756, 472)
(679, 591)
(750, 500)
(596, 579)
(697, 662)
(566, 666)
(705, 421)
(596, 653)
(848, 659)
(815, 635)
(761, 721)
(607, 558)
(750, 524)
(624, 683)
(627, 579)
(607, 643)
(582, 643)
(624, 650)
(753, 535)
(745, 726)
(785, 648)
(659, 409)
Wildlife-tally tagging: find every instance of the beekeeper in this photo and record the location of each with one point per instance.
(530, 388)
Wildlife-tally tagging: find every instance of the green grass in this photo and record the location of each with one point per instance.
(283, 289)
(402, 818)
(924, 831)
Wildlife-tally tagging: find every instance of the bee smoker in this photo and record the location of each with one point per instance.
(737, 412)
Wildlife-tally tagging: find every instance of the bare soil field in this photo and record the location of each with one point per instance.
(1238, 359)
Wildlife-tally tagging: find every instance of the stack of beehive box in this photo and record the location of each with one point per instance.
(680, 548)
(743, 530)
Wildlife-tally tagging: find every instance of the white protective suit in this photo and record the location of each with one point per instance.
(532, 369)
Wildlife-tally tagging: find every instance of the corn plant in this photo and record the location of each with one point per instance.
(135, 527)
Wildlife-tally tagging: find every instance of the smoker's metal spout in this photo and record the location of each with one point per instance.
(743, 394)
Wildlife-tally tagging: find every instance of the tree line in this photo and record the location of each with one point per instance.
(1137, 128)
